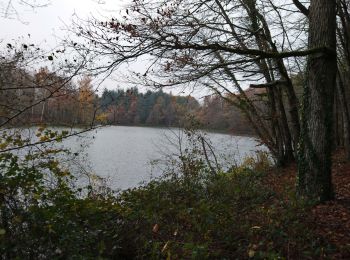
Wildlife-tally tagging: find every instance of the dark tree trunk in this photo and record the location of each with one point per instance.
(288, 147)
(343, 71)
(337, 120)
(314, 176)
(345, 114)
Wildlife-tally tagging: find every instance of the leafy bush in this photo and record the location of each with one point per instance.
(229, 216)
(190, 214)
(43, 214)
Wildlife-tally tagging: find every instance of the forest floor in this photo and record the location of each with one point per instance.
(331, 219)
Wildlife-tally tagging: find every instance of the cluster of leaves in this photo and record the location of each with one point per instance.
(194, 214)
(43, 213)
(230, 215)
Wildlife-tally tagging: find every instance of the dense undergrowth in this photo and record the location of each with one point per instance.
(190, 213)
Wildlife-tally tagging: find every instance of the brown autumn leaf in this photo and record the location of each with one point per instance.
(155, 228)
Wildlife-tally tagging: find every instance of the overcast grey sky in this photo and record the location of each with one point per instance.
(46, 25)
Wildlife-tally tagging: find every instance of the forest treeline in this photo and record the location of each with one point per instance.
(157, 108)
(54, 100)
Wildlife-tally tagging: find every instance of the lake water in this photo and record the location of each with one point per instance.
(123, 154)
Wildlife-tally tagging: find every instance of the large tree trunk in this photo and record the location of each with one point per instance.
(343, 70)
(314, 176)
(345, 113)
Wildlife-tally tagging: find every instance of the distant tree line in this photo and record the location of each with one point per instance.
(131, 107)
(45, 97)
(158, 108)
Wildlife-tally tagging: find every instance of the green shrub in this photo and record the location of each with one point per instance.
(184, 215)
(43, 214)
(227, 216)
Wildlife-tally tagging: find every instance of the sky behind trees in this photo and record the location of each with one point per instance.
(47, 26)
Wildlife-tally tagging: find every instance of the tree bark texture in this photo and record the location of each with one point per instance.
(314, 176)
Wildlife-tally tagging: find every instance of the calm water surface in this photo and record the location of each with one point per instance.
(123, 154)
